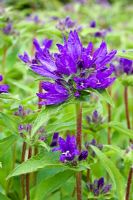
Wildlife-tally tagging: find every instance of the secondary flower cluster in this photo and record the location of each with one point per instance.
(72, 70)
(69, 150)
(98, 187)
(3, 88)
(124, 66)
(94, 121)
(66, 23)
(25, 129)
(93, 142)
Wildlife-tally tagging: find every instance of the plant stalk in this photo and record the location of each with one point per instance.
(126, 106)
(28, 177)
(23, 176)
(129, 181)
(79, 143)
(130, 174)
(109, 118)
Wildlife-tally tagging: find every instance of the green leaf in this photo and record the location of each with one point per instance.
(3, 197)
(118, 127)
(6, 143)
(9, 123)
(44, 188)
(35, 163)
(118, 180)
(127, 54)
(127, 80)
(103, 94)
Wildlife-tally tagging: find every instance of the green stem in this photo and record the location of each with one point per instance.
(79, 143)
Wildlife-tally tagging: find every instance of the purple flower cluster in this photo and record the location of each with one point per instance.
(69, 150)
(3, 88)
(72, 69)
(98, 187)
(66, 23)
(94, 122)
(8, 29)
(25, 129)
(124, 66)
(93, 142)
(95, 118)
(21, 112)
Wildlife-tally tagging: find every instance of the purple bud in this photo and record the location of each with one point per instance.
(7, 29)
(83, 155)
(42, 138)
(88, 119)
(100, 183)
(21, 127)
(54, 140)
(106, 189)
(96, 192)
(1, 77)
(93, 24)
(95, 116)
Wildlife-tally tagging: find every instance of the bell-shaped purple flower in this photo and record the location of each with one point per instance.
(55, 140)
(68, 148)
(83, 155)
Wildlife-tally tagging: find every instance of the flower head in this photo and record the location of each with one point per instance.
(98, 187)
(7, 30)
(124, 66)
(3, 88)
(72, 69)
(66, 23)
(93, 142)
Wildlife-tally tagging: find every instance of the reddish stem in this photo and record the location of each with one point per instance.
(39, 99)
(28, 177)
(79, 143)
(130, 174)
(129, 183)
(109, 119)
(23, 176)
(126, 106)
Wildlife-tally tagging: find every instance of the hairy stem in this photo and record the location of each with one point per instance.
(109, 118)
(126, 106)
(23, 176)
(39, 99)
(79, 143)
(129, 181)
(28, 177)
(130, 174)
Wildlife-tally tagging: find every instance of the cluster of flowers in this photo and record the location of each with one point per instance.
(68, 149)
(98, 187)
(25, 129)
(71, 70)
(123, 66)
